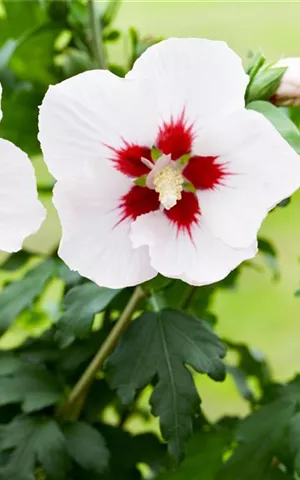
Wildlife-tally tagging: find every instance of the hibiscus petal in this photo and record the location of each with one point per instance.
(21, 213)
(262, 169)
(203, 78)
(88, 117)
(95, 240)
(200, 261)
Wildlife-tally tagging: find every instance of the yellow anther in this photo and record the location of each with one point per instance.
(169, 184)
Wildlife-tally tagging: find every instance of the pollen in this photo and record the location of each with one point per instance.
(169, 184)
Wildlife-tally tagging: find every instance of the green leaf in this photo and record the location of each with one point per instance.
(15, 261)
(18, 296)
(33, 440)
(32, 386)
(70, 277)
(72, 62)
(86, 446)
(241, 382)
(20, 112)
(127, 450)
(259, 438)
(281, 122)
(264, 84)
(293, 436)
(33, 58)
(270, 255)
(10, 364)
(204, 456)
(19, 18)
(58, 11)
(254, 64)
(164, 343)
(252, 363)
(111, 35)
(81, 304)
(276, 474)
(99, 396)
(110, 12)
(117, 70)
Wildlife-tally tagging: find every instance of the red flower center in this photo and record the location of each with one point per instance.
(175, 138)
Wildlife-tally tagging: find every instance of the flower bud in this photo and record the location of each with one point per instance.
(288, 92)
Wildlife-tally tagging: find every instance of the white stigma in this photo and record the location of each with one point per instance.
(168, 182)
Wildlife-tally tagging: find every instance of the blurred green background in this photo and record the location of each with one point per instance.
(263, 313)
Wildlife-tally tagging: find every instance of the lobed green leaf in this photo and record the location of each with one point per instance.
(162, 344)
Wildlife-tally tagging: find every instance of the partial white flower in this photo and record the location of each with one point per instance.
(288, 92)
(21, 214)
(189, 208)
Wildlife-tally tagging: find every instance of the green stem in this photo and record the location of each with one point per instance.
(96, 36)
(187, 297)
(45, 189)
(76, 398)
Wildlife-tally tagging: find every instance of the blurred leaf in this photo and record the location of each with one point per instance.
(148, 449)
(69, 277)
(174, 293)
(81, 304)
(117, 70)
(34, 440)
(15, 261)
(20, 17)
(241, 382)
(270, 255)
(276, 474)
(111, 35)
(10, 364)
(63, 40)
(203, 458)
(264, 84)
(20, 113)
(127, 450)
(201, 300)
(281, 122)
(20, 295)
(28, 324)
(72, 62)
(159, 283)
(58, 11)
(252, 363)
(163, 343)
(110, 12)
(139, 45)
(78, 14)
(260, 436)
(99, 396)
(33, 57)
(86, 446)
(73, 356)
(293, 437)
(33, 386)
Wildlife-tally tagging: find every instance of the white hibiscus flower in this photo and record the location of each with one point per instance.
(189, 208)
(21, 214)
